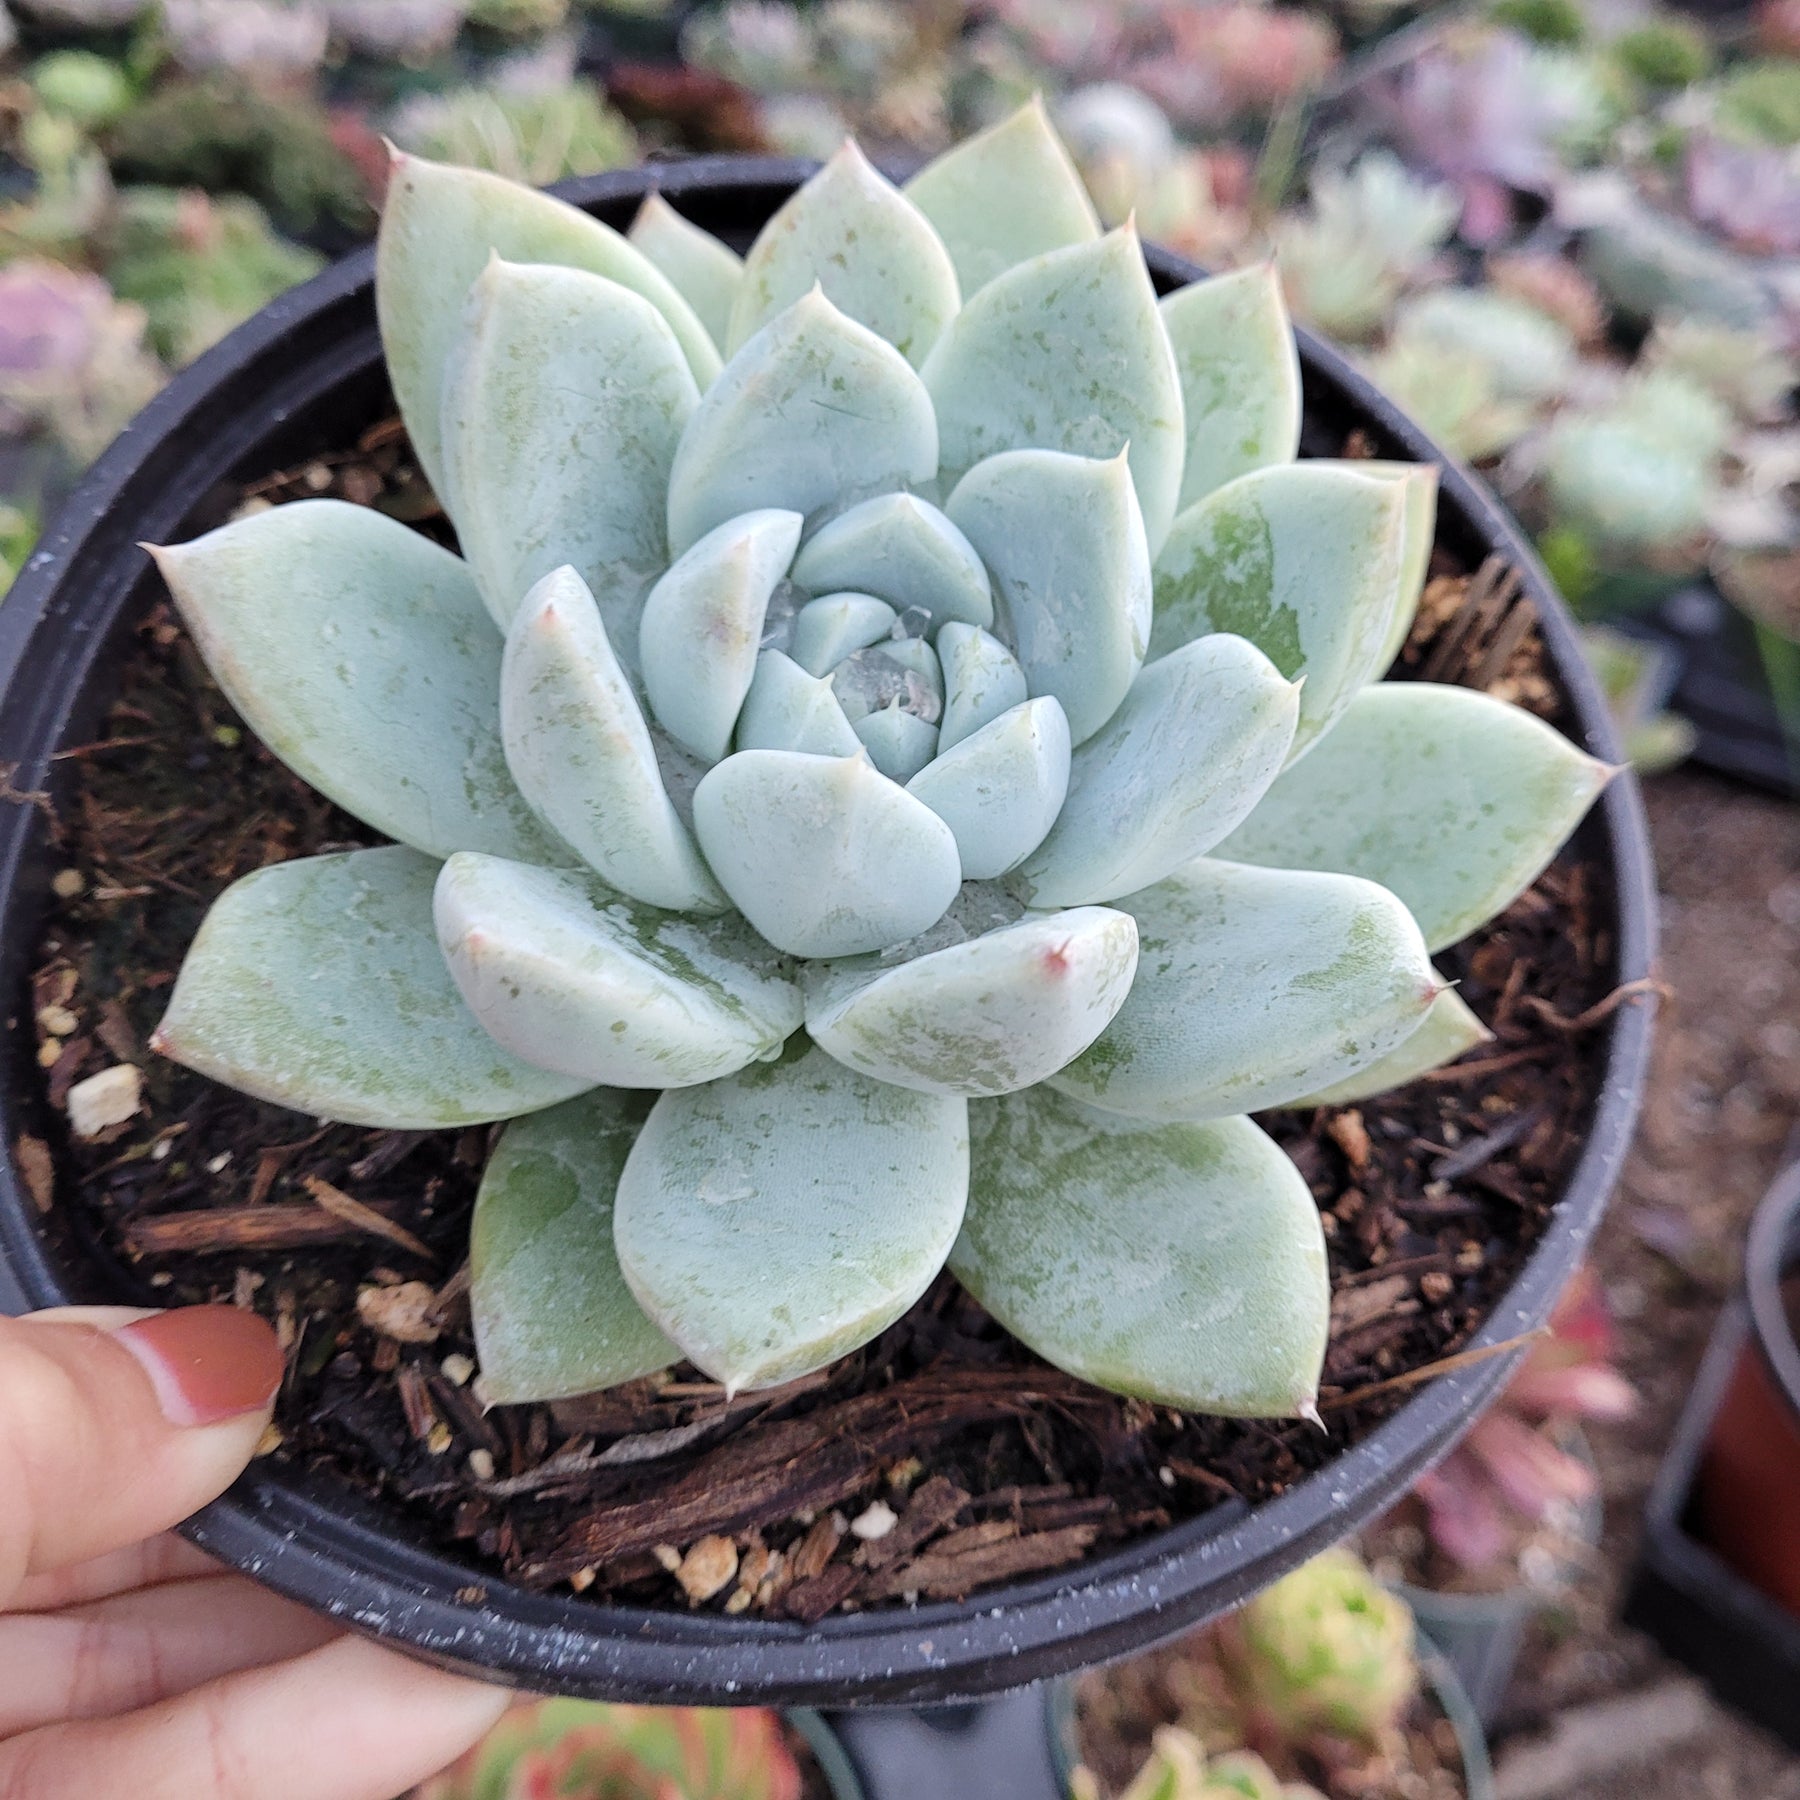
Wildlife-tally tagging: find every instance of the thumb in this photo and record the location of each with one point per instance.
(117, 1423)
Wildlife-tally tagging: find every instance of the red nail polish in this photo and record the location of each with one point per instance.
(206, 1363)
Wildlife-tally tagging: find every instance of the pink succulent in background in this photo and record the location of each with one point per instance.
(72, 357)
(1748, 192)
(1218, 62)
(582, 1750)
(1510, 1475)
(1476, 108)
(1777, 24)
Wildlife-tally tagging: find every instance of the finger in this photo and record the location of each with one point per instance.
(116, 1424)
(351, 1721)
(149, 1564)
(135, 1649)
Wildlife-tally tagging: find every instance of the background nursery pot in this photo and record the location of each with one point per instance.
(306, 373)
(1721, 1535)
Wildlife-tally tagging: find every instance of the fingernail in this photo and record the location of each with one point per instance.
(206, 1363)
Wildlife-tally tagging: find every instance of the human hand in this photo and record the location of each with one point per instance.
(130, 1662)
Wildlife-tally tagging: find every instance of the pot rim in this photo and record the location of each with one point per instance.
(1771, 1253)
(317, 1542)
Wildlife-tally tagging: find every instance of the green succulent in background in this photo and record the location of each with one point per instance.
(1760, 101)
(1560, 22)
(18, 532)
(536, 138)
(1180, 1769)
(79, 85)
(1325, 1652)
(198, 266)
(1665, 53)
(224, 136)
(897, 773)
(583, 1750)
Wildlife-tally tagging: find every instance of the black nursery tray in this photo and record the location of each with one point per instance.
(1744, 1645)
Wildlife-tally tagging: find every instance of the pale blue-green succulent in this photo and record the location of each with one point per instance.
(901, 709)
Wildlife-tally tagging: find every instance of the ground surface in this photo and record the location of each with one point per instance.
(1724, 1097)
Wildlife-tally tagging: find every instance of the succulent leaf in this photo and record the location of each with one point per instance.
(773, 1221)
(1453, 800)
(1240, 376)
(703, 623)
(572, 978)
(439, 226)
(1305, 563)
(1001, 376)
(361, 654)
(982, 680)
(906, 552)
(564, 397)
(1064, 539)
(1418, 534)
(581, 753)
(834, 626)
(1007, 194)
(704, 272)
(996, 1013)
(1199, 739)
(553, 1315)
(853, 233)
(811, 850)
(1000, 788)
(1449, 1030)
(1262, 985)
(317, 984)
(900, 744)
(1181, 1263)
(788, 709)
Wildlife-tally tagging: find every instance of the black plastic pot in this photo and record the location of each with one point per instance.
(306, 373)
(1686, 1592)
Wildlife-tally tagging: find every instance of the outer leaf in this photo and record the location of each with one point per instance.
(706, 273)
(1454, 800)
(830, 628)
(581, 752)
(317, 984)
(1449, 1030)
(439, 226)
(703, 623)
(1181, 1263)
(996, 1013)
(1066, 352)
(1419, 481)
(771, 1222)
(1302, 560)
(553, 1316)
(904, 550)
(788, 709)
(1000, 789)
(850, 231)
(1064, 540)
(1005, 195)
(811, 849)
(1259, 985)
(1195, 746)
(572, 978)
(982, 680)
(564, 397)
(814, 412)
(361, 654)
(1240, 376)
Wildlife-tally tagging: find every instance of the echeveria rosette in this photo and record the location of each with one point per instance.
(896, 774)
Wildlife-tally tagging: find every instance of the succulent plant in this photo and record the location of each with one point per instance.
(1326, 1652)
(916, 633)
(72, 357)
(1369, 231)
(198, 266)
(82, 86)
(1665, 52)
(1179, 1769)
(270, 39)
(1515, 1472)
(409, 30)
(583, 1750)
(533, 137)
